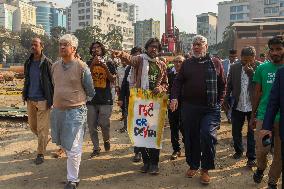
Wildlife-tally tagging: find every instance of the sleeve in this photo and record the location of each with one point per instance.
(229, 84)
(130, 60)
(273, 104)
(164, 83)
(221, 82)
(87, 83)
(112, 69)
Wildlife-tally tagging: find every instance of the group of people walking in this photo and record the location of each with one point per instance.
(70, 95)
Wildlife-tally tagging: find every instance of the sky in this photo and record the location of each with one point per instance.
(185, 11)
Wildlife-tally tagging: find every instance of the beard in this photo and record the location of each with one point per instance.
(199, 55)
(277, 59)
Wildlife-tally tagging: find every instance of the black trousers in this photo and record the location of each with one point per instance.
(200, 129)
(176, 127)
(238, 120)
(150, 155)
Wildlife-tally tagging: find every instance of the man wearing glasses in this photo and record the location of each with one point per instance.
(201, 84)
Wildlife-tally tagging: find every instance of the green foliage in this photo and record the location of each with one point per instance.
(19, 44)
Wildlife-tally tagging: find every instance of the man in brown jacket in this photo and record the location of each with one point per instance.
(149, 73)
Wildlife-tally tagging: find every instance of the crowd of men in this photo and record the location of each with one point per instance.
(69, 95)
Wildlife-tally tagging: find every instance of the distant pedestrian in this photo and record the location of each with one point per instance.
(175, 116)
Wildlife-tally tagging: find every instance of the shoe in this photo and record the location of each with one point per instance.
(204, 177)
(191, 173)
(137, 157)
(237, 155)
(229, 121)
(258, 175)
(107, 146)
(59, 153)
(154, 169)
(39, 159)
(145, 168)
(95, 153)
(251, 163)
(71, 185)
(272, 186)
(175, 155)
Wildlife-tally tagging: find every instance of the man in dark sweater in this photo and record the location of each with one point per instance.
(203, 82)
(175, 117)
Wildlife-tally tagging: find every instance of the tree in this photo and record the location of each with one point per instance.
(86, 37)
(113, 39)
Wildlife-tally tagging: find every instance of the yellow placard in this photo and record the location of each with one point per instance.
(146, 118)
(99, 76)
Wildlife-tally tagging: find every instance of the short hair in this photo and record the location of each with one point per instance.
(100, 44)
(276, 40)
(153, 40)
(233, 51)
(200, 38)
(40, 41)
(248, 51)
(179, 57)
(136, 50)
(72, 39)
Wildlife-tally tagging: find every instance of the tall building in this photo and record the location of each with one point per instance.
(24, 14)
(130, 8)
(230, 12)
(145, 30)
(207, 26)
(102, 13)
(186, 41)
(49, 15)
(6, 16)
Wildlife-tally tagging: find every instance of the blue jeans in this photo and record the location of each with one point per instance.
(238, 120)
(200, 130)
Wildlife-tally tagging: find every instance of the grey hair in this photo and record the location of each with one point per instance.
(179, 57)
(199, 38)
(72, 39)
(248, 51)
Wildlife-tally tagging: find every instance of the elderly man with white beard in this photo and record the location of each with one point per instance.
(203, 82)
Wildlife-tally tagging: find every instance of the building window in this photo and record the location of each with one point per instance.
(271, 10)
(88, 10)
(240, 8)
(270, 2)
(81, 23)
(88, 16)
(81, 4)
(282, 4)
(88, 4)
(233, 9)
(81, 17)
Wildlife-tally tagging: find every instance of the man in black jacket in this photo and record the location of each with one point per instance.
(38, 92)
(123, 100)
(175, 116)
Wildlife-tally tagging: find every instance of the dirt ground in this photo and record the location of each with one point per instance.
(112, 170)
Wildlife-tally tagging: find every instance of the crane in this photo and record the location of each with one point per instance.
(170, 39)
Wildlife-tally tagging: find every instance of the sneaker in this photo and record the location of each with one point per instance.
(251, 163)
(204, 177)
(107, 146)
(237, 155)
(39, 159)
(175, 155)
(154, 169)
(145, 168)
(95, 153)
(272, 186)
(257, 176)
(137, 157)
(59, 153)
(71, 185)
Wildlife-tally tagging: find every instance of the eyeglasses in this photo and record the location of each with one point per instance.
(64, 44)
